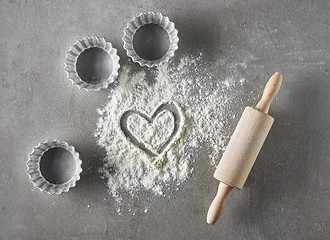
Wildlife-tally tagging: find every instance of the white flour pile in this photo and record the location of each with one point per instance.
(151, 150)
(152, 135)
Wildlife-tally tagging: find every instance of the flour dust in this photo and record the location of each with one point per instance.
(154, 151)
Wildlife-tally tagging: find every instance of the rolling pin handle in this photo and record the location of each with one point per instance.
(271, 89)
(218, 203)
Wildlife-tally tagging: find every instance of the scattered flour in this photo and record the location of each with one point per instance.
(154, 135)
(204, 103)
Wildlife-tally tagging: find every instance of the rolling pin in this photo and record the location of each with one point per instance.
(243, 148)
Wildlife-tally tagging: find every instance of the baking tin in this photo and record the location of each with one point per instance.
(142, 20)
(98, 46)
(54, 167)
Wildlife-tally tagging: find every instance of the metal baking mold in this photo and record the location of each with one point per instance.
(150, 39)
(92, 63)
(54, 167)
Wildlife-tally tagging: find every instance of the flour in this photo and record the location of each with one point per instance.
(152, 135)
(204, 104)
(128, 166)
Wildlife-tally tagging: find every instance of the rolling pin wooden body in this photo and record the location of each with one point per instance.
(243, 148)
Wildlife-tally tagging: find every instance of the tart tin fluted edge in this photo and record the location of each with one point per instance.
(80, 46)
(34, 172)
(150, 18)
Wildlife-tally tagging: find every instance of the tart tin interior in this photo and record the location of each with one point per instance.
(151, 42)
(94, 65)
(57, 165)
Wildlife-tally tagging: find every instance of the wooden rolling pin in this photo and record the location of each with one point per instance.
(243, 148)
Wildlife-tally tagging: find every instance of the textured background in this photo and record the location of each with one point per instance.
(287, 193)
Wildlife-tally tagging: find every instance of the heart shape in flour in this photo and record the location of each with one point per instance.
(155, 134)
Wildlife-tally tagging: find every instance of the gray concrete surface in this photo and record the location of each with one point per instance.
(286, 195)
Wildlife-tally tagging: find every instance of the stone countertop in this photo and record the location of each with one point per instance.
(287, 193)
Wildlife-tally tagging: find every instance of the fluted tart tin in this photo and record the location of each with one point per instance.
(54, 167)
(150, 39)
(92, 63)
